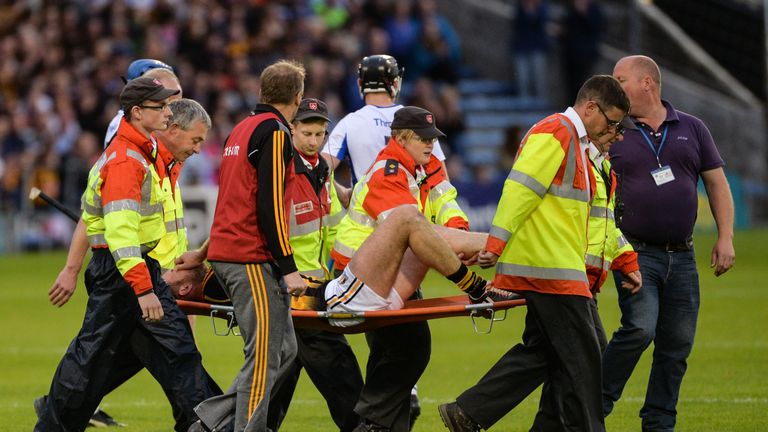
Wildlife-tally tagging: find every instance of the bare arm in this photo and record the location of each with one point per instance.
(721, 204)
(66, 282)
(344, 193)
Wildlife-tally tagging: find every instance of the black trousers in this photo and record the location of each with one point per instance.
(560, 345)
(332, 366)
(112, 338)
(398, 357)
(548, 417)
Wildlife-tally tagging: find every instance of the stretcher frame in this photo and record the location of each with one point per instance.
(412, 311)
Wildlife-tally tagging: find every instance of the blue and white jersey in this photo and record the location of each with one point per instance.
(112, 128)
(362, 134)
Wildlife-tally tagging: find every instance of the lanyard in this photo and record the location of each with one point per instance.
(655, 151)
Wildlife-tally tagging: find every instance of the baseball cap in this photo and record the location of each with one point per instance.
(312, 108)
(418, 120)
(143, 88)
(141, 66)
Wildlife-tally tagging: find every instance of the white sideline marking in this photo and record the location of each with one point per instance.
(140, 403)
(731, 344)
(25, 350)
(737, 401)
(706, 400)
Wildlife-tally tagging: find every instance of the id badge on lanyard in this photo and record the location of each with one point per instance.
(662, 174)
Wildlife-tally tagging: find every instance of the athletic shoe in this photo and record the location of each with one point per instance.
(415, 411)
(497, 295)
(456, 420)
(102, 419)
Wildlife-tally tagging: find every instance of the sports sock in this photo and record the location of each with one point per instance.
(468, 281)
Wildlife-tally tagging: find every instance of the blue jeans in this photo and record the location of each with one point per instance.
(664, 312)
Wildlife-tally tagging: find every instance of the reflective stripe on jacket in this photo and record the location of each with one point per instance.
(539, 230)
(307, 211)
(123, 203)
(174, 242)
(439, 198)
(332, 220)
(389, 183)
(606, 243)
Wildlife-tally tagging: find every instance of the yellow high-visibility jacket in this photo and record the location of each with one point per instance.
(174, 242)
(333, 220)
(390, 182)
(607, 248)
(309, 204)
(123, 204)
(439, 198)
(540, 227)
(308, 207)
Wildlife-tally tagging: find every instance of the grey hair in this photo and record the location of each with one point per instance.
(186, 112)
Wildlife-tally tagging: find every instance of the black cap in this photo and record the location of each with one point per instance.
(418, 120)
(312, 108)
(140, 89)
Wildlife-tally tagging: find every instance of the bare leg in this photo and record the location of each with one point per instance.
(412, 270)
(467, 242)
(410, 275)
(378, 260)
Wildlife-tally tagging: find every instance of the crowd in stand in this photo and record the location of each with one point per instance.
(61, 65)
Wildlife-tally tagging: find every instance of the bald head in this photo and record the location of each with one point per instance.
(167, 78)
(640, 78)
(642, 66)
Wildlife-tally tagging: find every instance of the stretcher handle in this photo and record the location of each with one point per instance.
(488, 313)
(228, 314)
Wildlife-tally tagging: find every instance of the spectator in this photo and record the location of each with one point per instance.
(582, 26)
(75, 167)
(530, 47)
(403, 29)
(444, 103)
(61, 62)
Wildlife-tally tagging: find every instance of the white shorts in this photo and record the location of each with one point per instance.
(347, 293)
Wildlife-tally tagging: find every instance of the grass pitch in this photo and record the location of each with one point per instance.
(725, 389)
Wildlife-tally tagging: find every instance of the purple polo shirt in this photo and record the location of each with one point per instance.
(666, 213)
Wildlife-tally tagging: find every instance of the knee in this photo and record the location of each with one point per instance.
(406, 215)
(677, 338)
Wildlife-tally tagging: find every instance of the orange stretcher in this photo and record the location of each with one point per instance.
(414, 310)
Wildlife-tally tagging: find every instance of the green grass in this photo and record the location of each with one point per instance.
(725, 389)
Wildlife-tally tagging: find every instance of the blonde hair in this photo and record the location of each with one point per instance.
(403, 134)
